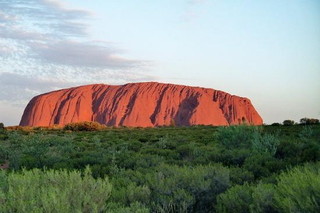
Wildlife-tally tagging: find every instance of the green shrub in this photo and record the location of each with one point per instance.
(265, 143)
(130, 193)
(133, 208)
(53, 191)
(1, 126)
(240, 175)
(237, 199)
(298, 190)
(236, 136)
(36, 150)
(185, 189)
(262, 165)
(84, 126)
(306, 133)
(263, 199)
(288, 122)
(248, 137)
(246, 198)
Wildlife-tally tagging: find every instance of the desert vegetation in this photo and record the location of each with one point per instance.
(92, 168)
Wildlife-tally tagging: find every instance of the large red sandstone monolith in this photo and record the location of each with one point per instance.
(139, 105)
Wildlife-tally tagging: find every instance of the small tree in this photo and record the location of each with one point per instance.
(1, 126)
(288, 122)
(309, 121)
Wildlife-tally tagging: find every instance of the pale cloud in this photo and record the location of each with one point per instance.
(47, 34)
(82, 54)
(44, 14)
(45, 45)
(18, 88)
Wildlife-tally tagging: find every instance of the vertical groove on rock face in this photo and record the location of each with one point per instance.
(139, 104)
(129, 108)
(59, 116)
(157, 109)
(54, 118)
(185, 110)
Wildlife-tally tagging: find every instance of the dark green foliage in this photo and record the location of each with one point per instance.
(265, 143)
(240, 175)
(236, 199)
(236, 136)
(262, 165)
(309, 121)
(246, 198)
(288, 122)
(298, 190)
(53, 191)
(133, 208)
(182, 189)
(36, 150)
(3, 132)
(173, 169)
(247, 137)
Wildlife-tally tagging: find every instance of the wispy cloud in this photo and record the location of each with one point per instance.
(45, 41)
(50, 34)
(45, 15)
(82, 54)
(16, 88)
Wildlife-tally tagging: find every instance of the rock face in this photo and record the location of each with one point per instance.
(139, 105)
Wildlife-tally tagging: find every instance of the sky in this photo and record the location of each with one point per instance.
(267, 50)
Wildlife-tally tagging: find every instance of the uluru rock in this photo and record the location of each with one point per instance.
(139, 105)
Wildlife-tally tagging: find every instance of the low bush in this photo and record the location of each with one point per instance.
(84, 126)
(247, 137)
(184, 189)
(53, 191)
(35, 150)
(265, 143)
(246, 198)
(236, 136)
(298, 190)
(174, 169)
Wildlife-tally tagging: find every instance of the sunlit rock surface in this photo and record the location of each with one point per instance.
(139, 105)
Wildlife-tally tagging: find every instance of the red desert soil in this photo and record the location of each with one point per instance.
(139, 105)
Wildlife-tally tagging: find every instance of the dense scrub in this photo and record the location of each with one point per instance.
(53, 191)
(182, 169)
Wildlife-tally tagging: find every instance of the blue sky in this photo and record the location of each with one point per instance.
(268, 51)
